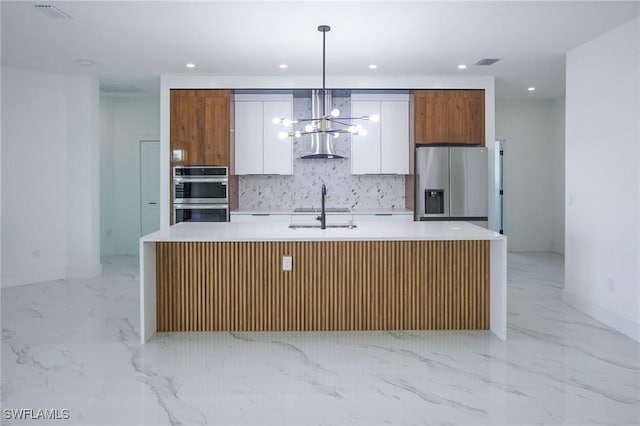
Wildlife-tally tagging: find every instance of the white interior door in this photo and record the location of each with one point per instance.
(149, 187)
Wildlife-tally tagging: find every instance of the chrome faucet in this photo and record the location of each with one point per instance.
(323, 214)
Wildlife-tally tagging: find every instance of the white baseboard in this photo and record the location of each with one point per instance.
(35, 275)
(623, 325)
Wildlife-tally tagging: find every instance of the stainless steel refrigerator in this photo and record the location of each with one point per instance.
(452, 184)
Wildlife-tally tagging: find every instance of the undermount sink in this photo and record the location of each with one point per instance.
(317, 226)
(318, 209)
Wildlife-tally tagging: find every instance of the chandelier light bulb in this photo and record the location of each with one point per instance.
(277, 120)
(374, 117)
(335, 112)
(283, 135)
(308, 128)
(362, 132)
(335, 135)
(286, 122)
(297, 134)
(352, 129)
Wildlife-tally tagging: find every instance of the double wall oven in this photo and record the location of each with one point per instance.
(201, 194)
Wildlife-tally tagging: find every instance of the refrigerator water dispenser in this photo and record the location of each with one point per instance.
(434, 201)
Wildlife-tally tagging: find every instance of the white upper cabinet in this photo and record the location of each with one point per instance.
(258, 149)
(365, 150)
(278, 153)
(385, 148)
(249, 147)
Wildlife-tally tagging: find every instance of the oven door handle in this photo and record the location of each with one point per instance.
(221, 180)
(201, 206)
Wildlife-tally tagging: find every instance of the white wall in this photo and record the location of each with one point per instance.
(36, 129)
(34, 161)
(532, 179)
(83, 176)
(107, 173)
(557, 161)
(125, 121)
(602, 246)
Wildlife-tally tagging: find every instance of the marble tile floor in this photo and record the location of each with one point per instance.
(73, 345)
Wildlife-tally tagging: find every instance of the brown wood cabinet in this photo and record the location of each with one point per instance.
(200, 127)
(449, 116)
(200, 133)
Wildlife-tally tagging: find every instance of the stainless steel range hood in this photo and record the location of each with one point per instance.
(321, 142)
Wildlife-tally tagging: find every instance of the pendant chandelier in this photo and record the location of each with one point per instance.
(324, 125)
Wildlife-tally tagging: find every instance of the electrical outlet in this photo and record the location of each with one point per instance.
(287, 263)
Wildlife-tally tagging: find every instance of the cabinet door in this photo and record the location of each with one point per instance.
(200, 125)
(216, 124)
(431, 118)
(449, 116)
(184, 129)
(249, 119)
(465, 111)
(394, 137)
(365, 150)
(277, 153)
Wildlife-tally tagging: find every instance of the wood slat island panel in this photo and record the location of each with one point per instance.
(334, 285)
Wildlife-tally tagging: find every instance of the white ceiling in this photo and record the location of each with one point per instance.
(134, 42)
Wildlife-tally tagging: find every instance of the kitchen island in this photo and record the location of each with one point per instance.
(270, 277)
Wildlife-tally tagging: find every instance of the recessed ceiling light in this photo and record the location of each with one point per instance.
(190, 65)
(462, 66)
(283, 66)
(531, 89)
(373, 66)
(85, 62)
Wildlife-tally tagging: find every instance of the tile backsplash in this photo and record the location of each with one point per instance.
(302, 189)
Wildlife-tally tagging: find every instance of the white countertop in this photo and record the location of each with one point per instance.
(364, 231)
(352, 211)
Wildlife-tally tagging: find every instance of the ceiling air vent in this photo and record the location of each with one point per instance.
(51, 11)
(487, 61)
(113, 89)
